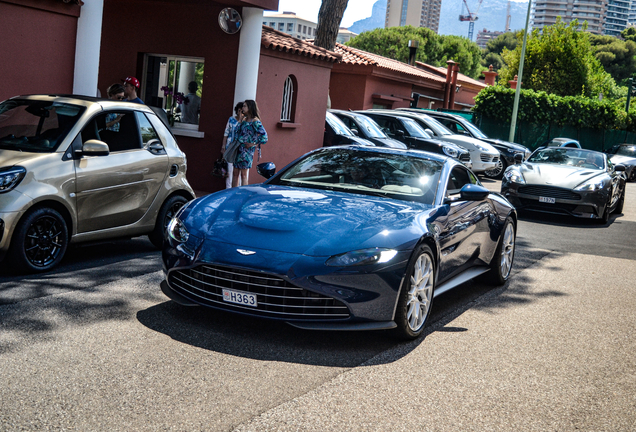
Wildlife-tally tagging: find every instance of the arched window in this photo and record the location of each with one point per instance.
(289, 100)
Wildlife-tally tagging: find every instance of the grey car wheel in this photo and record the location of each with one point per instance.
(416, 295)
(497, 172)
(501, 264)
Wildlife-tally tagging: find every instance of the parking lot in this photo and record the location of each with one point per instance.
(100, 348)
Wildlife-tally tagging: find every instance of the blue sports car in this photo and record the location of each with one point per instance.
(344, 238)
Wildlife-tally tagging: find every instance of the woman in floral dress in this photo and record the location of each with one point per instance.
(251, 134)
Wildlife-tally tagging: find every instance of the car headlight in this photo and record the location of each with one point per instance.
(177, 231)
(449, 151)
(362, 257)
(590, 186)
(10, 178)
(514, 176)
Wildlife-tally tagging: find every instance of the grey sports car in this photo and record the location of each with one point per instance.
(625, 154)
(571, 181)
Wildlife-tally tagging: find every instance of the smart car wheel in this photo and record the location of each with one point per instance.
(416, 294)
(501, 264)
(497, 172)
(169, 208)
(39, 242)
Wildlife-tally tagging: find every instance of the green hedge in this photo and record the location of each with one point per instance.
(496, 103)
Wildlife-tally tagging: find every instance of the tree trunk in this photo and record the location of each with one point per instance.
(329, 18)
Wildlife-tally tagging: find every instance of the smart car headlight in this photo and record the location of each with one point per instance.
(590, 186)
(362, 257)
(177, 231)
(10, 178)
(449, 151)
(514, 176)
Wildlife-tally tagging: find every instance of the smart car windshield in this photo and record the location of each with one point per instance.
(36, 126)
(569, 156)
(353, 171)
(627, 150)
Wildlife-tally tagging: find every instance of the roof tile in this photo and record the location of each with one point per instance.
(279, 41)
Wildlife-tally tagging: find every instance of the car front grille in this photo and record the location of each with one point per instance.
(560, 208)
(488, 158)
(276, 297)
(549, 191)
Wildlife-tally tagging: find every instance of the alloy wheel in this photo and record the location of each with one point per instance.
(507, 250)
(420, 292)
(44, 241)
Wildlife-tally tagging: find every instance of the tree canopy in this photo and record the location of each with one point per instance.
(491, 55)
(559, 60)
(433, 49)
(617, 56)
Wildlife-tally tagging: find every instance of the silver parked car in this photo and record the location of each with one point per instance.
(76, 169)
(625, 154)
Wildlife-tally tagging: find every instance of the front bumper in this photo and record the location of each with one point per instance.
(588, 205)
(294, 288)
(483, 161)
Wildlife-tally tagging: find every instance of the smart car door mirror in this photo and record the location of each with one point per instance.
(95, 148)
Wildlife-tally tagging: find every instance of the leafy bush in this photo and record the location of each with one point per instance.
(496, 102)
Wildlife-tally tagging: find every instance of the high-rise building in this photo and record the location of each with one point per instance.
(616, 17)
(418, 13)
(545, 12)
(632, 13)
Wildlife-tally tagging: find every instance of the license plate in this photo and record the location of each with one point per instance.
(547, 200)
(239, 297)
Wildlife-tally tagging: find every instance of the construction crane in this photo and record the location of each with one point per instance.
(469, 16)
(508, 17)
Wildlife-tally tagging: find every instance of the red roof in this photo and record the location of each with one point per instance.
(279, 41)
(358, 57)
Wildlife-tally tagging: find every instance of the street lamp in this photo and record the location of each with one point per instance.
(515, 108)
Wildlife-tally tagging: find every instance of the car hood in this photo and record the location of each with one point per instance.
(469, 143)
(303, 221)
(9, 158)
(557, 175)
(624, 160)
(507, 144)
(390, 142)
(360, 141)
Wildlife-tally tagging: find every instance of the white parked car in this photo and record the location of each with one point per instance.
(483, 156)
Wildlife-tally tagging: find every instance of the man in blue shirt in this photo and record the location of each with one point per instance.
(131, 87)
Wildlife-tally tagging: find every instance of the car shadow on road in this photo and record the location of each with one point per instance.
(268, 340)
(565, 220)
(84, 266)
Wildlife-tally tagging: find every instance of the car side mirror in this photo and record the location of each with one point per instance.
(399, 133)
(620, 168)
(95, 147)
(355, 132)
(518, 158)
(473, 192)
(430, 132)
(266, 169)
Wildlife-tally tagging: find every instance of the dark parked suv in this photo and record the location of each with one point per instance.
(414, 136)
(459, 125)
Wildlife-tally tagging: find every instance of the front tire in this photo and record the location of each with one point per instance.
(39, 241)
(497, 172)
(501, 263)
(169, 208)
(416, 294)
(620, 204)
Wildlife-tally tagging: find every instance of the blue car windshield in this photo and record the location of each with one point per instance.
(36, 126)
(569, 156)
(390, 175)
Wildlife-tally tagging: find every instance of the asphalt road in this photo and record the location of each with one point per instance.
(95, 346)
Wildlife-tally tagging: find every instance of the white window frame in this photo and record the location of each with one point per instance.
(287, 107)
(183, 129)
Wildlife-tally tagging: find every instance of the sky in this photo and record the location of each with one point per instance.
(356, 9)
(308, 9)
